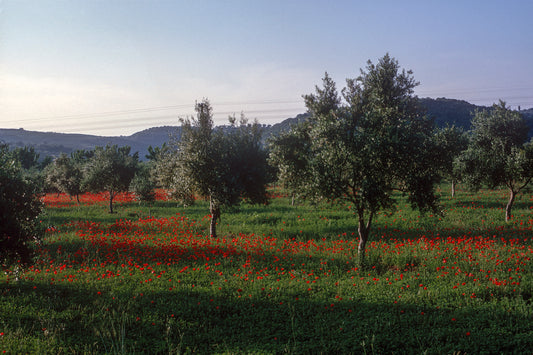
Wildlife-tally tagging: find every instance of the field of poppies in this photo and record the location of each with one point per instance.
(280, 278)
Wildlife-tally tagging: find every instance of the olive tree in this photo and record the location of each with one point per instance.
(225, 166)
(111, 169)
(288, 154)
(370, 142)
(451, 141)
(498, 154)
(65, 175)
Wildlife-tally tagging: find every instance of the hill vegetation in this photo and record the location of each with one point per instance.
(444, 111)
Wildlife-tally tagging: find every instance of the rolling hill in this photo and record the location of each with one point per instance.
(443, 111)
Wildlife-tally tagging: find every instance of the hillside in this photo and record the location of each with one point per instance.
(443, 111)
(53, 144)
(460, 113)
(449, 111)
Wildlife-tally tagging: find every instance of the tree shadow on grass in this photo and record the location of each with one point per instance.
(113, 316)
(490, 200)
(79, 318)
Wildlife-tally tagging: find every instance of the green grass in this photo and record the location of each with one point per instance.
(279, 278)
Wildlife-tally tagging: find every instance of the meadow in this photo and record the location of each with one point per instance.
(279, 279)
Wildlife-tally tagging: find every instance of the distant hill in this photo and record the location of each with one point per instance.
(460, 113)
(450, 111)
(443, 111)
(53, 144)
(528, 116)
(277, 128)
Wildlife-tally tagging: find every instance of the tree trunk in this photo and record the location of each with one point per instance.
(509, 205)
(364, 233)
(111, 196)
(453, 188)
(292, 202)
(363, 238)
(214, 208)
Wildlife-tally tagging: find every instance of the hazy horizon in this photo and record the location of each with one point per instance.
(114, 68)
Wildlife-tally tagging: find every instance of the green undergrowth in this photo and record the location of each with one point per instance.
(278, 279)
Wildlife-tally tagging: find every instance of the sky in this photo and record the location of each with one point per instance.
(116, 67)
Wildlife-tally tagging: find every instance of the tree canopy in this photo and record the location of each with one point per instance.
(288, 154)
(451, 141)
(368, 143)
(498, 154)
(65, 175)
(111, 169)
(223, 165)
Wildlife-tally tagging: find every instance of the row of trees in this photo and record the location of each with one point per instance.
(372, 140)
(109, 169)
(23, 179)
(223, 165)
(359, 146)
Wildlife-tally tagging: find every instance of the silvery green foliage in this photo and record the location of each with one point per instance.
(64, 174)
(498, 154)
(289, 155)
(367, 143)
(111, 169)
(451, 142)
(225, 165)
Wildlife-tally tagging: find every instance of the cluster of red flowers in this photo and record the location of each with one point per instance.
(60, 200)
(472, 261)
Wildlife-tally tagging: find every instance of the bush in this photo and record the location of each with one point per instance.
(19, 211)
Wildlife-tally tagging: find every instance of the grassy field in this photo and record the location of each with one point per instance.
(279, 279)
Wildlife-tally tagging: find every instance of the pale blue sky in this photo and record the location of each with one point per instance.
(117, 67)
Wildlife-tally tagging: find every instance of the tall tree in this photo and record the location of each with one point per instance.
(370, 142)
(81, 156)
(20, 208)
(498, 154)
(111, 169)
(451, 141)
(288, 154)
(155, 153)
(26, 156)
(223, 165)
(65, 175)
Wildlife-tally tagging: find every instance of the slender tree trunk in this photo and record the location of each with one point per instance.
(78, 198)
(214, 208)
(509, 205)
(453, 188)
(364, 233)
(111, 196)
(363, 238)
(292, 202)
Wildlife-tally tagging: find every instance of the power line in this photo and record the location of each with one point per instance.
(165, 120)
(260, 109)
(158, 108)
